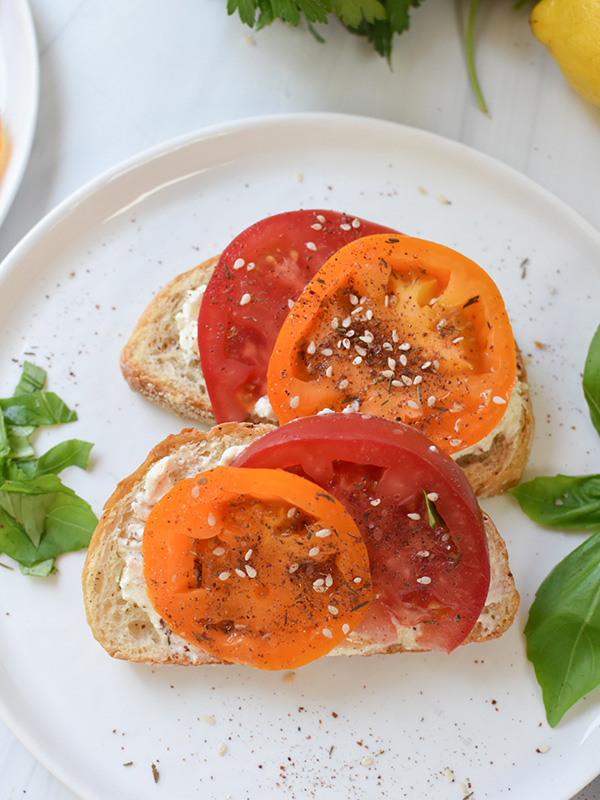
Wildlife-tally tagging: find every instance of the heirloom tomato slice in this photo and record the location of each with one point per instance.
(256, 567)
(401, 328)
(258, 278)
(417, 513)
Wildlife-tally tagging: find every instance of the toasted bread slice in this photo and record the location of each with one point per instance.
(117, 606)
(155, 364)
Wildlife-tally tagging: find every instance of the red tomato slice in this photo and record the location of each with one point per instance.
(404, 329)
(258, 567)
(415, 509)
(258, 277)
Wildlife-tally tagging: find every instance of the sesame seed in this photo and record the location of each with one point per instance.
(500, 401)
(414, 515)
(391, 362)
(431, 400)
(250, 571)
(425, 580)
(321, 218)
(239, 263)
(405, 346)
(386, 300)
(412, 404)
(356, 223)
(323, 533)
(360, 350)
(224, 575)
(367, 337)
(294, 401)
(291, 512)
(314, 551)
(436, 364)
(353, 300)
(397, 383)
(376, 502)
(335, 323)
(219, 551)
(317, 226)
(346, 343)
(433, 301)
(369, 314)
(417, 379)
(209, 719)
(312, 348)
(455, 442)
(290, 303)
(387, 346)
(387, 373)
(345, 629)
(347, 322)
(344, 384)
(357, 580)
(326, 632)
(311, 246)
(211, 519)
(395, 337)
(358, 360)
(328, 580)
(445, 537)
(195, 491)
(423, 553)
(329, 372)
(426, 365)
(433, 496)
(292, 568)
(403, 360)
(222, 748)
(458, 339)
(332, 610)
(248, 555)
(240, 573)
(366, 762)
(250, 266)
(433, 448)
(246, 298)
(327, 351)
(406, 380)
(345, 227)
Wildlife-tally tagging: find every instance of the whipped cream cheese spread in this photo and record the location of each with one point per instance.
(186, 320)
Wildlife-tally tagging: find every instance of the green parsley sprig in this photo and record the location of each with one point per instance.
(40, 517)
(378, 20)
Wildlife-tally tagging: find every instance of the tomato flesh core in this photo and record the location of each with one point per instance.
(399, 328)
(417, 514)
(257, 567)
(259, 275)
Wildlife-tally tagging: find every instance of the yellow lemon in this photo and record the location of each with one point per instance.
(570, 29)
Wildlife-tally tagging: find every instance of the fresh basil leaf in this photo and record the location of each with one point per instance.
(563, 501)
(27, 508)
(71, 453)
(20, 444)
(563, 630)
(36, 408)
(32, 379)
(591, 380)
(68, 525)
(5, 446)
(40, 570)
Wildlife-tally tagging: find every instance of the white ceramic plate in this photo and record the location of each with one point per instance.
(70, 294)
(19, 93)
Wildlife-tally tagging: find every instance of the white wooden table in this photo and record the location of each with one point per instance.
(118, 77)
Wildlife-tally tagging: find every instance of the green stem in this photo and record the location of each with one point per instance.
(470, 54)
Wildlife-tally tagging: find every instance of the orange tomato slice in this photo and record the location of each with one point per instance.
(400, 328)
(256, 566)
